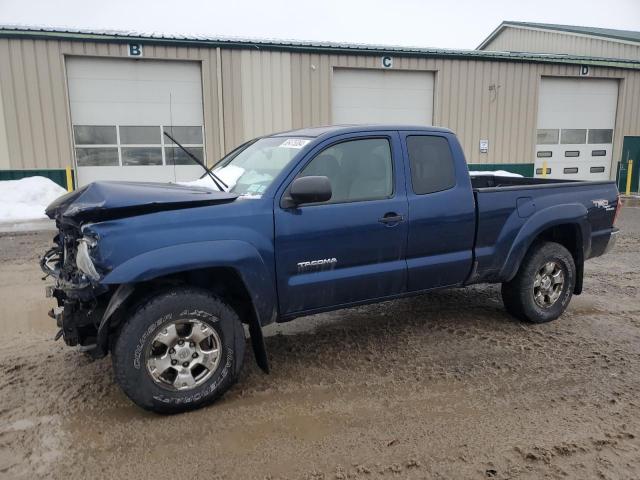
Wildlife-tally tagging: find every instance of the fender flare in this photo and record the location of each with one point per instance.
(573, 214)
(241, 256)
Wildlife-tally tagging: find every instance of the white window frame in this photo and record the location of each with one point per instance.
(164, 142)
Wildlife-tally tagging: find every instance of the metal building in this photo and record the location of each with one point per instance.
(99, 101)
(576, 119)
(566, 39)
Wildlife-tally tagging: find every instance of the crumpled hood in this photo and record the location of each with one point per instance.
(108, 200)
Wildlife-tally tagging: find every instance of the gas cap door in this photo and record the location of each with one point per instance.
(526, 207)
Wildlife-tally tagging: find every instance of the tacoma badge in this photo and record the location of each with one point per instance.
(303, 266)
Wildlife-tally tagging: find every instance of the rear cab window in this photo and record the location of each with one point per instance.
(431, 163)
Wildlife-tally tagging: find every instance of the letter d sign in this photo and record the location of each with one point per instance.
(134, 50)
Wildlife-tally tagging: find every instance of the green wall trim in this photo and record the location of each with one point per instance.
(524, 169)
(57, 175)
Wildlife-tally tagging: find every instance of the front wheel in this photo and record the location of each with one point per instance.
(542, 288)
(181, 349)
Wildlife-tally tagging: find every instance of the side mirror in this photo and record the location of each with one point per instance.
(309, 190)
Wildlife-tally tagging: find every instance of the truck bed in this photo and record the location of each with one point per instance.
(510, 208)
(494, 181)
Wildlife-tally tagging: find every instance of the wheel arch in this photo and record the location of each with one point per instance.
(231, 270)
(568, 227)
(569, 235)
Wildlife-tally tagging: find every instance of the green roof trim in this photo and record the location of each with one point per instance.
(606, 33)
(52, 33)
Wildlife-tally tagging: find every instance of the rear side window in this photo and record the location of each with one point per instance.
(431, 164)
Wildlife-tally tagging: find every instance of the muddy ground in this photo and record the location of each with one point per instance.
(442, 386)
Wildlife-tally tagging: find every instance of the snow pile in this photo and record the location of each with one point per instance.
(27, 198)
(497, 173)
(229, 175)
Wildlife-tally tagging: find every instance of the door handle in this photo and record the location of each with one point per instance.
(390, 218)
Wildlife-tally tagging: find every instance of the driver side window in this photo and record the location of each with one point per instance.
(357, 169)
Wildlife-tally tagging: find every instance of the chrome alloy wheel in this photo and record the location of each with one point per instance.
(548, 284)
(183, 354)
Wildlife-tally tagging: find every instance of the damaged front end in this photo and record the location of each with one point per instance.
(81, 299)
(87, 307)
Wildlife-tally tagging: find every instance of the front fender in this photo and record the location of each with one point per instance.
(573, 213)
(241, 256)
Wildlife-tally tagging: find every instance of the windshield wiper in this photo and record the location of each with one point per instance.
(216, 179)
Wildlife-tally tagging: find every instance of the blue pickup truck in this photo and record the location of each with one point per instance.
(165, 277)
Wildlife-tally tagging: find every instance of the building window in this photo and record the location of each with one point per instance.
(136, 145)
(539, 171)
(130, 135)
(184, 135)
(96, 145)
(596, 170)
(598, 153)
(188, 137)
(600, 135)
(571, 153)
(544, 154)
(97, 157)
(140, 145)
(141, 156)
(548, 136)
(177, 156)
(95, 134)
(571, 170)
(573, 136)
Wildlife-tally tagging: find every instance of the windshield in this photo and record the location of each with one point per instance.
(251, 171)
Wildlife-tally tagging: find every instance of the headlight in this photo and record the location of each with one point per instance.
(83, 258)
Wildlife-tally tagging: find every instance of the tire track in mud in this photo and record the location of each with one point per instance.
(441, 386)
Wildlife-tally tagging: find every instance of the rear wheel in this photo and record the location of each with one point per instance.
(542, 288)
(181, 349)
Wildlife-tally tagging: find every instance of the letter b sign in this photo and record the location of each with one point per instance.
(134, 50)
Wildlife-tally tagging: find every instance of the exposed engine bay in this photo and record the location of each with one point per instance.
(76, 290)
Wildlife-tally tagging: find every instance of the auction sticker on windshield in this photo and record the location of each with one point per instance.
(294, 143)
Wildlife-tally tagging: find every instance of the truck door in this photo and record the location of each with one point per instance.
(351, 248)
(441, 211)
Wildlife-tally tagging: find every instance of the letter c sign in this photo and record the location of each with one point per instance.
(134, 50)
(387, 62)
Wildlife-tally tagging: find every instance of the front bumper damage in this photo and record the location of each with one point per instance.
(78, 322)
(80, 301)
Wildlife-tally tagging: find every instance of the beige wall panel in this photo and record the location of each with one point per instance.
(258, 93)
(36, 107)
(529, 40)
(4, 146)
(232, 98)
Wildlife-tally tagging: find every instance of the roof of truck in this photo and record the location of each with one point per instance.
(334, 129)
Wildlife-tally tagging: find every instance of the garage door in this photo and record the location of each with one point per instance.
(382, 96)
(119, 109)
(576, 120)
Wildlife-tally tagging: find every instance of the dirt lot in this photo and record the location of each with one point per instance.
(441, 386)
